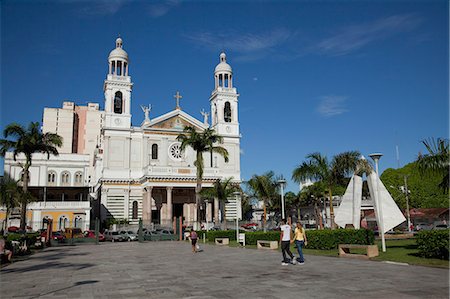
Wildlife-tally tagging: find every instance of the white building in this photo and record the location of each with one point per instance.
(140, 172)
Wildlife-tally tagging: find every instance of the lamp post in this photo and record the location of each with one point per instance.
(282, 182)
(206, 215)
(407, 203)
(376, 157)
(236, 194)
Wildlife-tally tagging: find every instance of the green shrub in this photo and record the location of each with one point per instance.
(213, 234)
(252, 237)
(433, 244)
(330, 239)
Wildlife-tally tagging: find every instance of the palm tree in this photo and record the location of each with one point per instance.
(202, 142)
(10, 194)
(436, 160)
(221, 191)
(313, 195)
(28, 141)
(263, 187)
(318, 168)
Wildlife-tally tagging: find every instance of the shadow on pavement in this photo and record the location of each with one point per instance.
(45, 266)
(78, 283)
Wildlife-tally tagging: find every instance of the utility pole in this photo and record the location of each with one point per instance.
(407, 203)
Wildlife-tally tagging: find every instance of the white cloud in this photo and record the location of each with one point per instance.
(161, 8)
(255, 78)
(355, 37)
(250, 46)
(332, 105)
(101, 7)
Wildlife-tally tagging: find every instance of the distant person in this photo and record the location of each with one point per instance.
(285, 240)
(3, 250)
(300, 241)
(193, 237)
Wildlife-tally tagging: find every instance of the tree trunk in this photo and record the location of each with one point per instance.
(318, 216)
(23, 211)
(198, 188)
(264, 219)
(6, 220)
(331, 208)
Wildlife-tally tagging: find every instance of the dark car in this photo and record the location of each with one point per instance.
(91, 234)
(58, 236)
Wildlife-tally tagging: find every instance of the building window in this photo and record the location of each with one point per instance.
(78, 222)
(51, 178)
(65, 178)
(155, 151)
(135, 210)
(63, 222)
(118, 103)
(227, 112)
(78, 178)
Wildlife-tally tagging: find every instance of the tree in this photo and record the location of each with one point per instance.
(10, 194)
(263, 187)
(28, 141)
(318, 168)
(314, 195)
(436, 161)
(221, 190)
(203, 142)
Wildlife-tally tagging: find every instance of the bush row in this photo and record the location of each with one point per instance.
(317, 239)
(433, 243)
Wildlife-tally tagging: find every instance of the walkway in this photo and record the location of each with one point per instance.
(171, 270)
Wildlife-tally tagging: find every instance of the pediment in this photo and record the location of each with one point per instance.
(175, 120)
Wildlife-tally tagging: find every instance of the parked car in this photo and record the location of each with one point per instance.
(441, 226)
(58, 236)
(423, 226)
(129, 235)
(91, 234)
(114, 236)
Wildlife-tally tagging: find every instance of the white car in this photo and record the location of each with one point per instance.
(129, 235)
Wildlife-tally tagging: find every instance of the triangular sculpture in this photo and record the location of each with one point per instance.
(384, 205)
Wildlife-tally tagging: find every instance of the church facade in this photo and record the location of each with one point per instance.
(139, 172)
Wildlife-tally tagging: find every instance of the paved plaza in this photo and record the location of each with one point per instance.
(171, 270)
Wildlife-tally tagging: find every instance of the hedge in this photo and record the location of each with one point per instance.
(317, 239)
(433, 244)
(330, 239)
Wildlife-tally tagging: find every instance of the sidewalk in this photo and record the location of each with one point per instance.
(170, 270)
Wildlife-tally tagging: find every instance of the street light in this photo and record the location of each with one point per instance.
(406, 191)
(236, 194)
(376, 157)
(282, 182)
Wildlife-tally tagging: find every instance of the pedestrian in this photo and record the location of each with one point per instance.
(193, 237)
(300, 241)
(3, 250)
(285, 240)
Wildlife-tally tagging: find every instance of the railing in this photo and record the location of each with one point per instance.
(59, 204)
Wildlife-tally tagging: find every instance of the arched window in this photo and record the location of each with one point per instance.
(227, 112)
(78, 222)
(118, 103)
(78, 178)
(63, 222)
(154, 151)
(65, 178)
(135, 210)
(51, 178)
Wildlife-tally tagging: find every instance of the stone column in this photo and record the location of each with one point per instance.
(144, 205)
(216, 210)
(149, 204)
(169, 204)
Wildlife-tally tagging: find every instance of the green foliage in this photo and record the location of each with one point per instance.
(425, 190)
(213, 234)
(252, 237)
(29, 237)
(434, 243)
(330, 239)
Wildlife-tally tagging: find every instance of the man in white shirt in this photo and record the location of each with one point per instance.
(285, 241)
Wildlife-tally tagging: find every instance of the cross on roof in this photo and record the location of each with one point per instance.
(178, 97)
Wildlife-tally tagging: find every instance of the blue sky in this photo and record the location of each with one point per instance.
(326, 76)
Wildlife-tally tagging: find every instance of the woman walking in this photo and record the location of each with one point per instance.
(193, 237)
(300, 241)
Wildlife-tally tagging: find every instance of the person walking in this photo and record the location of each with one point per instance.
(193, 237)
(285, 240)
(300, 241)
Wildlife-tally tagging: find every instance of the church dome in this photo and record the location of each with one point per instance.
(118, 53)
(223, 66)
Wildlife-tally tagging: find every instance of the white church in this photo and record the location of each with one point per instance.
(124, 172)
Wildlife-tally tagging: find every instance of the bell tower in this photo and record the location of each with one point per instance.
(117, 89)
(224, 101)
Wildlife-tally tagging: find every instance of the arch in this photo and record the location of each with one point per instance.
(154, 151)
(78, 178)
(51, 178)
(227, 112)
(78, 222)
(63, 222)
(118, 103)
(65, 178)
(135, 210)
